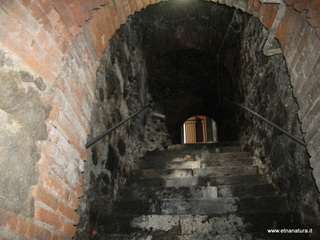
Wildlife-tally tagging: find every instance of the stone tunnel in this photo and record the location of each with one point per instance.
(71, 69)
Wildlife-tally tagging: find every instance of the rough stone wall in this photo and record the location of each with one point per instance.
(62, 42)
(23, 110)
(121, 90)
(264, 86)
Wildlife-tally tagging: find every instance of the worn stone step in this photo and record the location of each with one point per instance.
(172, 224)
(168, 156)
(218, 171)
(200, 147)
(145, 192)
(236, 236)
(195, 181)
(257, 189)
(198, 224)
(191, 162)
(217, 206)
(180, 237)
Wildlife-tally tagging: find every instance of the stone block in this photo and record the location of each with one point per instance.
(68, 228)
(301, 5)
(211, 225)
(41, 195)
(77, 12)
(156, 223)
(19, 155)
(46, 216)
(310, 116)
(63, 30)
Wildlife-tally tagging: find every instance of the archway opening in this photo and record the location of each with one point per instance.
(199, 129)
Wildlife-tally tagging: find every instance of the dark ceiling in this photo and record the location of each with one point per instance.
(190, 53)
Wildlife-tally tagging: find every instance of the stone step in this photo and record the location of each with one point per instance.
(195, 181)
(217, 206)
(210, 147)
(177, 237)
(218, 171)
(198, 224)
(169, 156)
(235, 236)
(191, 162)
(208, 192)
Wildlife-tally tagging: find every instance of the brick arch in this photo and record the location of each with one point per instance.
(62, 42)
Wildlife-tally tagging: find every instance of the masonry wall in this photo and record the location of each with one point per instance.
(122, 89)
(58, 45)
(264, 87)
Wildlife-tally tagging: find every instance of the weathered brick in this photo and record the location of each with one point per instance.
(7, 220)
(16, 10)
(110, 22)
(126, 7)
(312, 52)
(139, 4)
(313, 113)
(45, 5)
(133, 5)
(316, 66)
(53, 186)
(22, 43)
(66, 169)
(297, 26)
(77, 12)
(66, 15)
(76, 98)
(33, 7)
(308, 93)
(47, 42)
(68, 228)
(267, 14)
(312, 130)
(285, 28)
(22, 227)
(55, 236)
(250, 6)
(73, 201)
(53, 16)
(64, 32)
(38, 233)
(63, 237)
(314, 160)
(45, 216)
(45, 197)
(314, 18)
(301, 5)
(68, 213)
(120, 11)
(86, 8)
(145, 3)
(290, 2)
(53, 113)
(313, 144)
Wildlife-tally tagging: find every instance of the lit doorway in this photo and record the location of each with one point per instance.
(199, 129)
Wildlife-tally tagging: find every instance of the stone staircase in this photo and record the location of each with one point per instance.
(197, 192)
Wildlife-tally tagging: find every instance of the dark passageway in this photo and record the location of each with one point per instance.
(71, 69)
(194, 58)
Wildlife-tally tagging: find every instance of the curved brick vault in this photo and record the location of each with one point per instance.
(62, 43)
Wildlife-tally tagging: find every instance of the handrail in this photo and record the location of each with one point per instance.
(102, 135)
(296, 139)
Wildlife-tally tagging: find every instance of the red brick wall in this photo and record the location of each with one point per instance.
(63, 40)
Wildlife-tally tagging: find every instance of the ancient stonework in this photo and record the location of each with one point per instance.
(121, 91)
(22, 112)
(264, 86)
